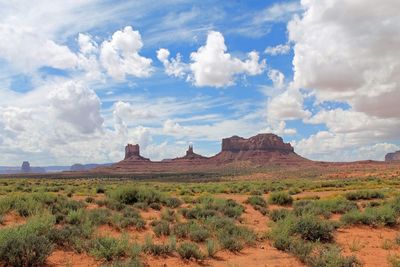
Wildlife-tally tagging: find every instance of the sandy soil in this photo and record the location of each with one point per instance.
(69, 258)
(372, 246)
(12, 219)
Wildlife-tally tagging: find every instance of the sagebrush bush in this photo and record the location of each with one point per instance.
(234, 238)
(158, 249)
(212, 247)
(364, 194)
(280, 198)
(26, 245)
(374, 216)
(99, 216)
(109, 248)
(256, 201)
(198, 233)
(279, 214)
(161, 228)
(313, 228)
(131, 195)
(173, 202)
(323, 207)
(189, 250)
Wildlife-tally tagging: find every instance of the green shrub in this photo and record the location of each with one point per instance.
(330, 256)
(155, 206)
(109, 248)
(364, 194)
(100, 190)
(99, 216)
(294, 191)
(381, 215)
(76, 217)
(189, 250)
(173, 202)
(89, 199)
(131, 195)
(279, 214)
(280, 198)
(256, 201)
(158, 249)
(233, 237)
(323, 207)
(313, 228)
(198, 233)
(26, 245)
(161, 228)
(181, 230)
(212, 247)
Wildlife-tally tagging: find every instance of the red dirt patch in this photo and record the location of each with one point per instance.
(254, 219)
(70, 258)
(12, 219)
(262, 255)
(372, 246)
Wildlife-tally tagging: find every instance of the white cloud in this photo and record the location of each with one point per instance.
(281, 49)
(352, 57)
(277, 12)
(120, 55)
(279, 128)
(78, 105)
(213, 66)
(287, 106)
(174, 67)
(277, 78)
(86, 44)
(27, 50)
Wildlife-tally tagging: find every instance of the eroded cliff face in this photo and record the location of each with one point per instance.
(260, 142)
(395, 156)
(132, 153)
(259, 150)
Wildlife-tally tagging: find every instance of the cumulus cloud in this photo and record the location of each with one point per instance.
(277, 78)
(174, 66)
(281, 49)
(287, 106)
(213, 66)
(27, 50)
(351, 57)
(78, 105)
(120, 55)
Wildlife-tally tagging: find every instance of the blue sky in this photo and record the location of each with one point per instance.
(80, 80)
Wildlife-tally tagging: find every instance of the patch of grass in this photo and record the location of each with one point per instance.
(313, 228)
(279, 214)
(189, 250)
(161, 228)
(212, 248)
(234, 238)
(258, 203)
(280, 198)
(109, 248)
(323, 207)
(382, 215)
(26, 245)
(158, 249)
(198, 233)
(364, 194)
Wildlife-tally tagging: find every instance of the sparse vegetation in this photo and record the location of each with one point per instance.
(280, 198)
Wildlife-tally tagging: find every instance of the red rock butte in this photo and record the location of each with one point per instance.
(260, 150)
(395, 156)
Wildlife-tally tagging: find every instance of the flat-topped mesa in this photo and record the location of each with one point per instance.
(132, 152)
(395, 156)
(260, 142)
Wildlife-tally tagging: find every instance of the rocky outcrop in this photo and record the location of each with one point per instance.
(190, 156)
(260, 150)
(260, 142)
(26, 167)
(395, 156)
(132, 153)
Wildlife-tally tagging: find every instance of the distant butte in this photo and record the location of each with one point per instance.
(395, 156)
(259, 150)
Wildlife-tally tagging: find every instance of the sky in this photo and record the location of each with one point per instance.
(81, 79)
